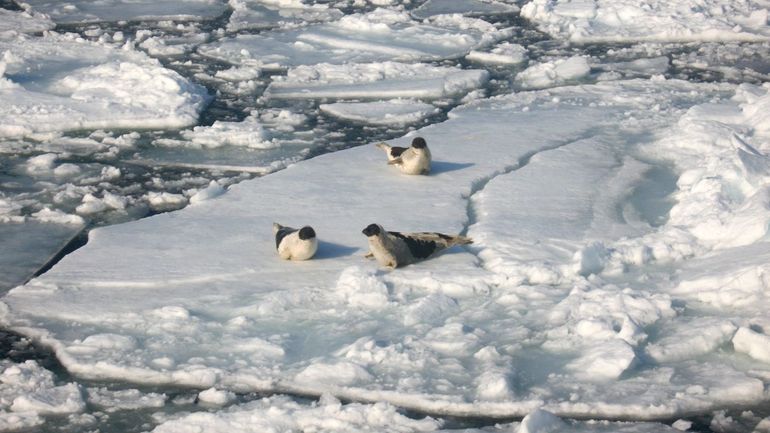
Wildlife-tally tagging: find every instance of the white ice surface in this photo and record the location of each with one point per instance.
(464, 7)
(64, 83)
(265, 14)
(23, 22)
(585, 21)
(375, 81)
(504, 53)
(394, 112)
(527, 317)
(85, 11)
(381, 35)
(29, 389)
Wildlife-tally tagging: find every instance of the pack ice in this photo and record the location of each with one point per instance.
(582, 295)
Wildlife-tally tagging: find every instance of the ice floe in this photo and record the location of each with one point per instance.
(78, 84)
(586, 21)
(393, 112)
(522, 319)
(78, 11)
(376, 80)
(381, 35)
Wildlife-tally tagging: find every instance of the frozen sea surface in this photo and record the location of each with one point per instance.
(611, 170)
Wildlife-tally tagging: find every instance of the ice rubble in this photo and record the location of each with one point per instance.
(63, 83)
(12, 22)
(587, 21)
(537, 313)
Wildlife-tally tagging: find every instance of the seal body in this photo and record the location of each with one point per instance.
(415, 159)
(394, 249)
(295, 244)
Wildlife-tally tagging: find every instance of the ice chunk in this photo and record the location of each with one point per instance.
(504, 53)
(89, 86)
(381, 35)
(587, 21)
(540, 421)
(555, 73)
(690, 339)
(126, 399)
(216, 397)
(261, 14)
(29, 388)
(376, 80)
(282, 413)
(465, 7)
(79, 11)
(752, 343)
(24, 22)
(395, 112)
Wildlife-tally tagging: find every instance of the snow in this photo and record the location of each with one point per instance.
(464, 7)
(393, 112)
(381, 35)
(23, 22)
(29, 389)
(620, 218)
(555, 73)
(588, 21)
(261, 14)
(376, 80)
(282, 414)
(461, 334)
(82, 85)
(83, 11)
(504, 53)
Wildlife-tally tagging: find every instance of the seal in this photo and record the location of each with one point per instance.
(293, 244)
(394, 249)
(410, 160)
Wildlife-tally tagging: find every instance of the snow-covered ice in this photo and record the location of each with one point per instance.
(393, 112)
(376, 80)
(76, 84)
(587, 21)
(79, 11)
(465, 333)
(381, 35)
(619, 216)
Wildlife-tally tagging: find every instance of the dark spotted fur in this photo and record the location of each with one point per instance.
(396, 151)
(420, 249)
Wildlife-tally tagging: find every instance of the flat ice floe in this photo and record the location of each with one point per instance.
(394, 112)
(60, 83)
(79, 11)
(265, 14)
(587, 21)
(565, 301)
(375, 81)
(382, 35)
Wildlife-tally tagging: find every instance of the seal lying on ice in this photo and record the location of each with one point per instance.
(293, 244)
(394, 249)
(412, 160)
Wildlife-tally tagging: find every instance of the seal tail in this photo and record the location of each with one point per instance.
(460, 240)
(383, 146)
(276, 228)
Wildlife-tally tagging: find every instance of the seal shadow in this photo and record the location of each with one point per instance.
(438, 167)
(330, 250)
